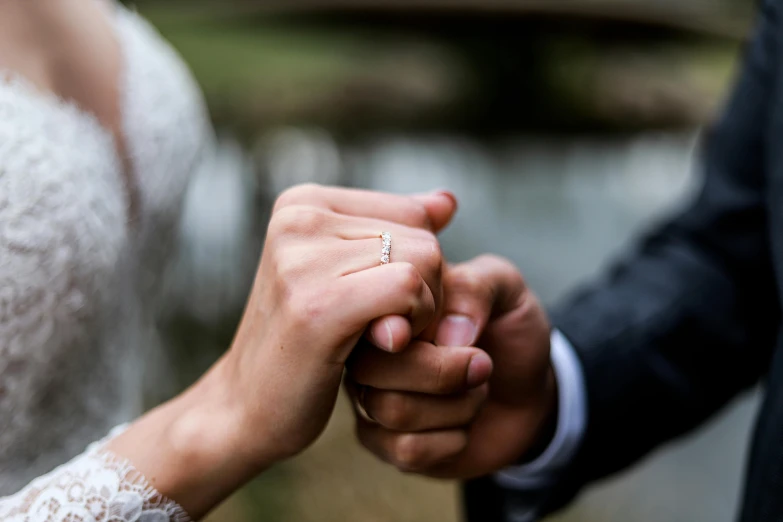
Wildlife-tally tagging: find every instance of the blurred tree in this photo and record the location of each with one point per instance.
(489, 65)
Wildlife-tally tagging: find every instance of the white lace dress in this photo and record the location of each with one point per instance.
(78, 283)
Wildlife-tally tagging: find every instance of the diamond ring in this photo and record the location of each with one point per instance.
(386, 250)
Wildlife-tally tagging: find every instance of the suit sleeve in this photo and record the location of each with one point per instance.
(690, 320)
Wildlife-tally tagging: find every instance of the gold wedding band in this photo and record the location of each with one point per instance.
(386, 249)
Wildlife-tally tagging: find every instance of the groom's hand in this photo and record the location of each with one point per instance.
(434, 409)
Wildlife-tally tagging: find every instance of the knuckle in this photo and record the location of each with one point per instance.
(285, 280)
(287, 198)
(284, 221)
(290, 265)
(502, 265)
(409, 452)
(393, 411)
(492, 259)
(456, 445)
(466, 280)
(296, 220)
(410, 280)
(296, 195)
(432, 253)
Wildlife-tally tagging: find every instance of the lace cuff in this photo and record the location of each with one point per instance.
(96, 486)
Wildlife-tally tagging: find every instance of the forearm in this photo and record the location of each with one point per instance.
(175, 463)
(195, 449)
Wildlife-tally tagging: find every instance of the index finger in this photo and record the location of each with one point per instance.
(431, 211)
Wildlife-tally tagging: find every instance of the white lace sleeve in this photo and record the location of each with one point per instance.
(96, 486)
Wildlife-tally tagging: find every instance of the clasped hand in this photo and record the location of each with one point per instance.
(446, 409)
(450, 364)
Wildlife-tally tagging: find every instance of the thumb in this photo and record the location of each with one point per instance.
(486, 302)
(441, 207)
(473, 292)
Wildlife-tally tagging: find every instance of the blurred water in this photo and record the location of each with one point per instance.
(557, 208)
(561, 209)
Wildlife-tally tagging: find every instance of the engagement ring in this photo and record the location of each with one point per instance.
(386, 251)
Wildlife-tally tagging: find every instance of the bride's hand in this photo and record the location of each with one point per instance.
(320, 283)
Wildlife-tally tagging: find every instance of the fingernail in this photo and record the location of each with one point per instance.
(384, 344)
(447, 193)
(479, 370)
(389, 337)
(456, 330)
(436, 193)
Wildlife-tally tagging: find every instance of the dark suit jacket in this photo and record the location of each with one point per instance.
(693, 317)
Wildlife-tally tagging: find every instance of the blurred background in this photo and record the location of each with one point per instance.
(565, 127)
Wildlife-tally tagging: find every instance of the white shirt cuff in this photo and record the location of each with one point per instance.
(571, 423)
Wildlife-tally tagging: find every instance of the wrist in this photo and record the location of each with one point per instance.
(548, 423)
(219, 422)
(570, 422)
(192, 449)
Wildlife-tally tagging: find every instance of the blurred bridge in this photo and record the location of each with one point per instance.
(718, 17)
(486, 65)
